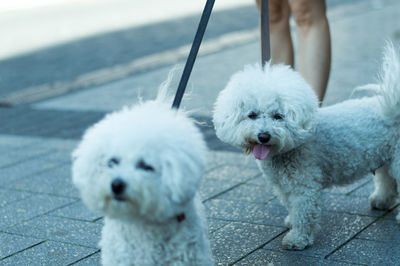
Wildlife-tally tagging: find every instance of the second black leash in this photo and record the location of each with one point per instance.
(265, 45)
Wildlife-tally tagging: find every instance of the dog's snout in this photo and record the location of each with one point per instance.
(118, 186)
(264, 137)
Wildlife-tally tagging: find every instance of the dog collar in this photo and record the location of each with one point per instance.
(180, 217)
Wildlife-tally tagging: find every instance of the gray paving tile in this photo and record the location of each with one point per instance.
(22, 210)
(211, 187)
(383, 230)
(10, 157)
(364, 191)
(236, 240)
(60, 229)
(77, 211)
(349, 188)
(269, 257)
(335, 230)
(368, 252)
(349, 204)
(63, 145)
(56, 181)
(8, 196)
(223, 178)
(16, 142)
(11, 244)
(48, 253)
(28, 168)
(250, 193)
(243, 211)
(93, 260)
(392, 214)
(215, 224)
(231, 172)
(259, 181)
(52, 150)
(215, 159)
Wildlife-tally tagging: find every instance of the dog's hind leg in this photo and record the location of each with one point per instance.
(394, 170)
(385, 193)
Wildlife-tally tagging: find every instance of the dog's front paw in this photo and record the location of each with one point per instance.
(382, 201)
(296, 241)
(288, 224)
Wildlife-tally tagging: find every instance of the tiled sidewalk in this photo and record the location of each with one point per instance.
(43, 221)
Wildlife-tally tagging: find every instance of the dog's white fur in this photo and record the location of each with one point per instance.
(159, 154)
(313, 148)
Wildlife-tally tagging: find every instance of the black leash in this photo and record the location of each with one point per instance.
(265, 43)
(265, 46)
(193, 53)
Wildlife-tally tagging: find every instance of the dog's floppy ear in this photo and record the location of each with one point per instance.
(182, 172)
(300, 111)
(226, 117)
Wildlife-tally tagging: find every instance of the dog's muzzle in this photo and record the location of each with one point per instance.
(264, 137)
(118, 187)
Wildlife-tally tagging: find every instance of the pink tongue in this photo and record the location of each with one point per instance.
(261, 151)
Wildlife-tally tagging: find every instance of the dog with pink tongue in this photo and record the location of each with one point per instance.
(302, 149)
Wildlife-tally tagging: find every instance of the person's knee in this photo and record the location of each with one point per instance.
(307, 13)
(278, 13)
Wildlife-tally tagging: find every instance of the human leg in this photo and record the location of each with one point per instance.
(314, 45)
(280, 39)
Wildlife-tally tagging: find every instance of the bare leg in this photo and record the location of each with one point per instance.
(281, 41)
(314, 48)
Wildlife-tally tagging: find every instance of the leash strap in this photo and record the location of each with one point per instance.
(193, 53)
(265, 43)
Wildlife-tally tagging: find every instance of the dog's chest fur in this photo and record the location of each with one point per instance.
(176, 243)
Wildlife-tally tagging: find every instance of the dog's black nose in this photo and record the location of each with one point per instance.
(264, 137)
(118, 186)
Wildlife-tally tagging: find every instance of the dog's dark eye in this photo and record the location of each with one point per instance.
(277, 116)
(113, 162)
(253, 115)
(142, 165)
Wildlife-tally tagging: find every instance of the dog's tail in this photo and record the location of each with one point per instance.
(390, 81)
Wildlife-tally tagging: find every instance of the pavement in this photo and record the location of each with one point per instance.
(42, 219)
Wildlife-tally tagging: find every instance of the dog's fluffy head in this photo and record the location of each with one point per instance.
(263, 111)
(144, 162)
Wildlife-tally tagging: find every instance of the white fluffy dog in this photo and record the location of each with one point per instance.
(142, 167)
(302, 149)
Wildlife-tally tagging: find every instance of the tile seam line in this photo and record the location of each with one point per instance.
(5, 229)
(46, 239)
(241, 183)
(351, 238)
(20, 251)
(81, 259)
(258, 248)
(382, 217)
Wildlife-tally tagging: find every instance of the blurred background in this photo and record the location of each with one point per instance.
(55, 43)
(98, 55)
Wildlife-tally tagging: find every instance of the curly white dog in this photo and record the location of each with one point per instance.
(302, 149)
(142, 167)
